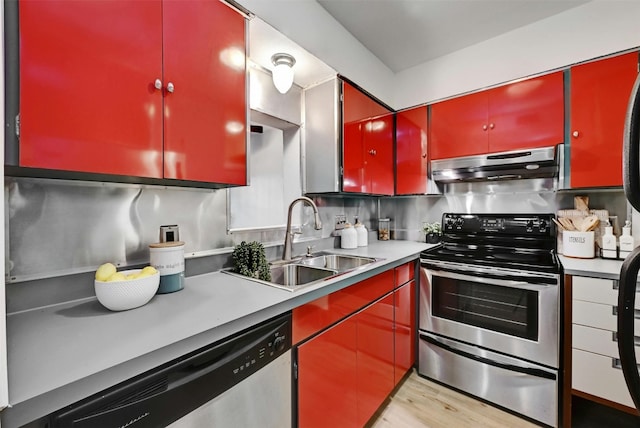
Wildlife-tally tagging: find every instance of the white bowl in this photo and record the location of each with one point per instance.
(128, 294)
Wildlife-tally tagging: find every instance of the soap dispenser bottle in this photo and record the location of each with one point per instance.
(626, 240)
(362, 233)
(349, 237)
(609, 243)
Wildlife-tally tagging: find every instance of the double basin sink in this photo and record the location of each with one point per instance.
(304, 271)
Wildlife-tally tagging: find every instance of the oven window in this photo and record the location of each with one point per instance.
(506, 310)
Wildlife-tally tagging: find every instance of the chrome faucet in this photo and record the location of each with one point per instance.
(288, 239)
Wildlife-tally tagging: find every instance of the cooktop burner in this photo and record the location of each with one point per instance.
(523, 241)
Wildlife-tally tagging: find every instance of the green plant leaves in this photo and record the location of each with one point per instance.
(249, 260)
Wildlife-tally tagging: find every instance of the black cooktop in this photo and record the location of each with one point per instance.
(514, 241)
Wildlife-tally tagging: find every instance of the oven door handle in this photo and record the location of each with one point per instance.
(532, 371)
(494, 279)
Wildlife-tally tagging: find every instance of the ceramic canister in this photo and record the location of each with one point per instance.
(168, 259)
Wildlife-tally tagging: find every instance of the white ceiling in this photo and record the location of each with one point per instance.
(404, 33)
(264, 41)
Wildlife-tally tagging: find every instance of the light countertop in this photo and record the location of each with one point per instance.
(599, 268)
(62, 353)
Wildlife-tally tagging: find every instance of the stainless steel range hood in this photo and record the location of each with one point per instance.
(522, 164)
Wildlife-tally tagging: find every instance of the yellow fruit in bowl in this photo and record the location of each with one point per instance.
(117, 277)
(133, 276)
(105, 271)
(149, 270)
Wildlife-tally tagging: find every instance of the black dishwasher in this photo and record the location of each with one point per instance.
(241, 381)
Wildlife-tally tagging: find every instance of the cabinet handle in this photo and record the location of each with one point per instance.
(372, 152)
(484, 127)
(614, 338)
(170, 87)
(157, 84)
(575, 134)
(615, 363)
(636, 312)
(491, 126)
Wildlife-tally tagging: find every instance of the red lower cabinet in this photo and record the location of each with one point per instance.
(327, 378)
(375, 367)
(405, 333)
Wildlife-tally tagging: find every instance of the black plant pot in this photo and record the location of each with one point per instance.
(433, 238)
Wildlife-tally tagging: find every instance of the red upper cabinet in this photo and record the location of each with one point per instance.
(152, 89)
(522, 115)
(459, 127)
(87, 100)
(411, 151)
(367, 144)
(206, 112)
(527, 114)
(599, 97)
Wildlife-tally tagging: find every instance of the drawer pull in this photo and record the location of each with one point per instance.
(615, 363)
(614, 338)
(636, 312)
(616, 284)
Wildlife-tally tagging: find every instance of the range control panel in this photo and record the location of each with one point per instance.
(508, 224)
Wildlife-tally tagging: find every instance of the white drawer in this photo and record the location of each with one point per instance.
(598, 316)
(598, 290)
(598, 341)
(595, 375)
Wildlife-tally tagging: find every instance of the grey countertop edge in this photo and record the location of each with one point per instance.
(597, 268)
(60, 354)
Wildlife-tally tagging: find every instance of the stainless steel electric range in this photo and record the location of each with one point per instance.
(490, 310)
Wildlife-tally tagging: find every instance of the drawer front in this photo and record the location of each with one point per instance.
(595, 375)
(321, 313)
(598, 316)
(599, 341)
(405, 273)
(595, 290)
(598, 290)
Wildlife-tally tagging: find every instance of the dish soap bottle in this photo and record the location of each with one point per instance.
(626, 240)
(362, 233)
(349, 237)
(609, 244)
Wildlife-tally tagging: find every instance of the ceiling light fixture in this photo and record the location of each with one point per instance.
(283, 71)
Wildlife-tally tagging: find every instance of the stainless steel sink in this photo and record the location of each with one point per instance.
(300, 272)
(339, 262)
(294, 275)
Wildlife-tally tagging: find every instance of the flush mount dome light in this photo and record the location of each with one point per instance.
(283, 71)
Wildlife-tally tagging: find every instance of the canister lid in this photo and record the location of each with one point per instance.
(166, 244)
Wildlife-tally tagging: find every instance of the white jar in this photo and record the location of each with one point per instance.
(349, 237)
(362, 234)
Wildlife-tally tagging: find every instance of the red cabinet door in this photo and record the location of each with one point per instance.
(327, 383)
(87, 96)
(527, 114)
(367, 144)
(599, 97)
(459, 127)
(374, 357)
(405, 333)
(205, 115)
(379, 155)
(411, 151)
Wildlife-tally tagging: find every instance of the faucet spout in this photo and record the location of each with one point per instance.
(288, 238)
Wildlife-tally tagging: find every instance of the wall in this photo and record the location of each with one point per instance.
(594, 29)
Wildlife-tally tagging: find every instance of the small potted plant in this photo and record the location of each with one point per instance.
(433, 232)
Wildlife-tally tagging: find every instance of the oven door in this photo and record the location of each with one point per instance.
(507, 311)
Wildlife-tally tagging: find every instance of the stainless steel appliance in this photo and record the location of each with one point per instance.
(628, 339)
(242, 381)
(489, 311)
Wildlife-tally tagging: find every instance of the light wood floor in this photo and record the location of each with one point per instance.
(421, 403)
